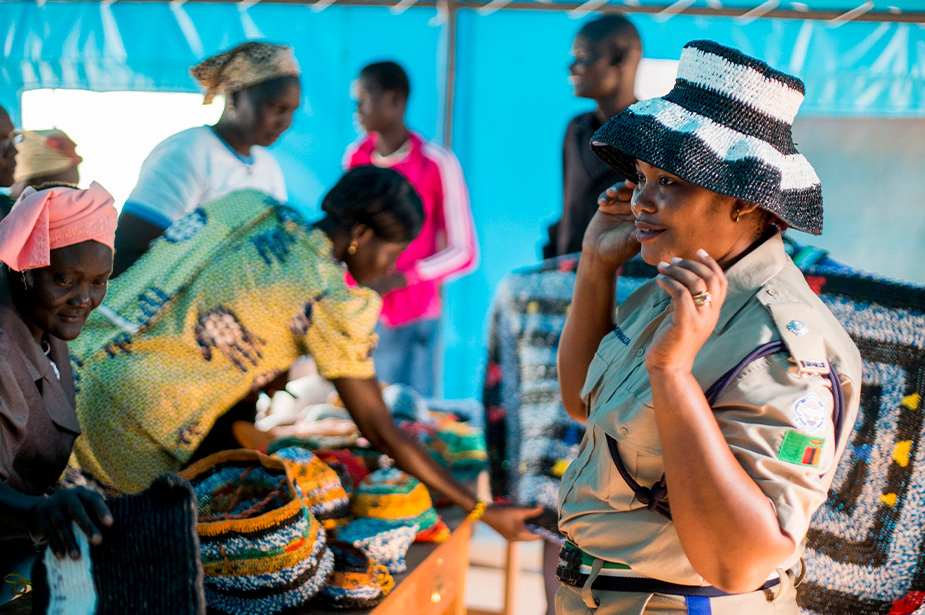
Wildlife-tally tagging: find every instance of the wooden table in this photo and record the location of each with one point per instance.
(435, 582)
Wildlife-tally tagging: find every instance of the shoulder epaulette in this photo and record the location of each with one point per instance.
(806, 345)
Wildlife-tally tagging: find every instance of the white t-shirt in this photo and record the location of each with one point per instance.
(195, 166)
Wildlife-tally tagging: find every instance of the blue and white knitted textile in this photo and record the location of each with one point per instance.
(147, 561)
(70, 587)
(866, 553)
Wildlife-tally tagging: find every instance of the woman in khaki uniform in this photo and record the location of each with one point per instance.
(720, 398)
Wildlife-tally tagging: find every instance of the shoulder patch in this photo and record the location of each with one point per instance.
(794, 323)
(810, 414)
(801, 448)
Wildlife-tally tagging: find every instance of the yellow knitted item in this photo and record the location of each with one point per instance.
(388, 506)
(322, 492)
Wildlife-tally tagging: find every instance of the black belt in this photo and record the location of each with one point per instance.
(569, 572)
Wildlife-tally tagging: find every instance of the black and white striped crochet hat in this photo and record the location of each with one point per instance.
(725, 126)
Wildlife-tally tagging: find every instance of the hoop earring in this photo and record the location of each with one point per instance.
(353, 248)
(738, 212)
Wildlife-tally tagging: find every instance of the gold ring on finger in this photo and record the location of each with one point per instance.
(702, 298)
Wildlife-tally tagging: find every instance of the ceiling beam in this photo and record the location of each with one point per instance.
(526, 5)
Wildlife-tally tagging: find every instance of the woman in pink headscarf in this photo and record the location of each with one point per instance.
(56, 247)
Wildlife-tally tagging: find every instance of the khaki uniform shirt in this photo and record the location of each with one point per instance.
(776, 415)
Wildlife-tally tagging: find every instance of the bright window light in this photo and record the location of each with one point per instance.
(655, 78)
(115, 131)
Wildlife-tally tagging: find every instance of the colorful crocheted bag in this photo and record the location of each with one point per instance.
(357, 583)
(322, 492)
(399, 499)
(262, 550)
(383, 541)
(148, 560)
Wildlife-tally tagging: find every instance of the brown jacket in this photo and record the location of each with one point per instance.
(38, 420)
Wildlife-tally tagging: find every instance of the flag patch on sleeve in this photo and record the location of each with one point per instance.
(801, 449)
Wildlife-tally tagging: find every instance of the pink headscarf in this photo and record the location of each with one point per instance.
(42, 221)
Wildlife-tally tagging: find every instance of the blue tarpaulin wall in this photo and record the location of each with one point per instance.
(511, 105)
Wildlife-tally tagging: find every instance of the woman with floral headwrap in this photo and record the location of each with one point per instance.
(56, 249)
(260, 83)
(45, 156)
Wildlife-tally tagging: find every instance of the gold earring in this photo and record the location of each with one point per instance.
(738, 212)
(353, 247)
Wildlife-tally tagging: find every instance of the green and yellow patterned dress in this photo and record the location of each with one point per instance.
(228, 298)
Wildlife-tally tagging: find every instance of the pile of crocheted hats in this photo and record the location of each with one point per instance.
(148, 560)
(397, 498)
(350, 468)
(261, 548)
(322, 491)
(455, 445)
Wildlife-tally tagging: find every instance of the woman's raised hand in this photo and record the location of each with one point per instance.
(611, 235)
(698, 289)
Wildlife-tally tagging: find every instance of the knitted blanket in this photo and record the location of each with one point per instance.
(148, 561)
(529, 436)
(865, 552)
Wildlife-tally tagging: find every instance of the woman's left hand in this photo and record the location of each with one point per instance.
(693, 314)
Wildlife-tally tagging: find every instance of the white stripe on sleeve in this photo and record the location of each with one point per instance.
(461, 252)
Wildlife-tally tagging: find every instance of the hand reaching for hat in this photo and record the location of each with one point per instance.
(614, 199)
(611, 234)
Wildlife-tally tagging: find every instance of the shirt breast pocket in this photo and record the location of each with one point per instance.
(629, 415)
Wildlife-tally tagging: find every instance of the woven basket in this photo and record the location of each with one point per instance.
(262, 550)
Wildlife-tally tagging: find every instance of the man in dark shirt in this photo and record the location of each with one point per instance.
(606, 54)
